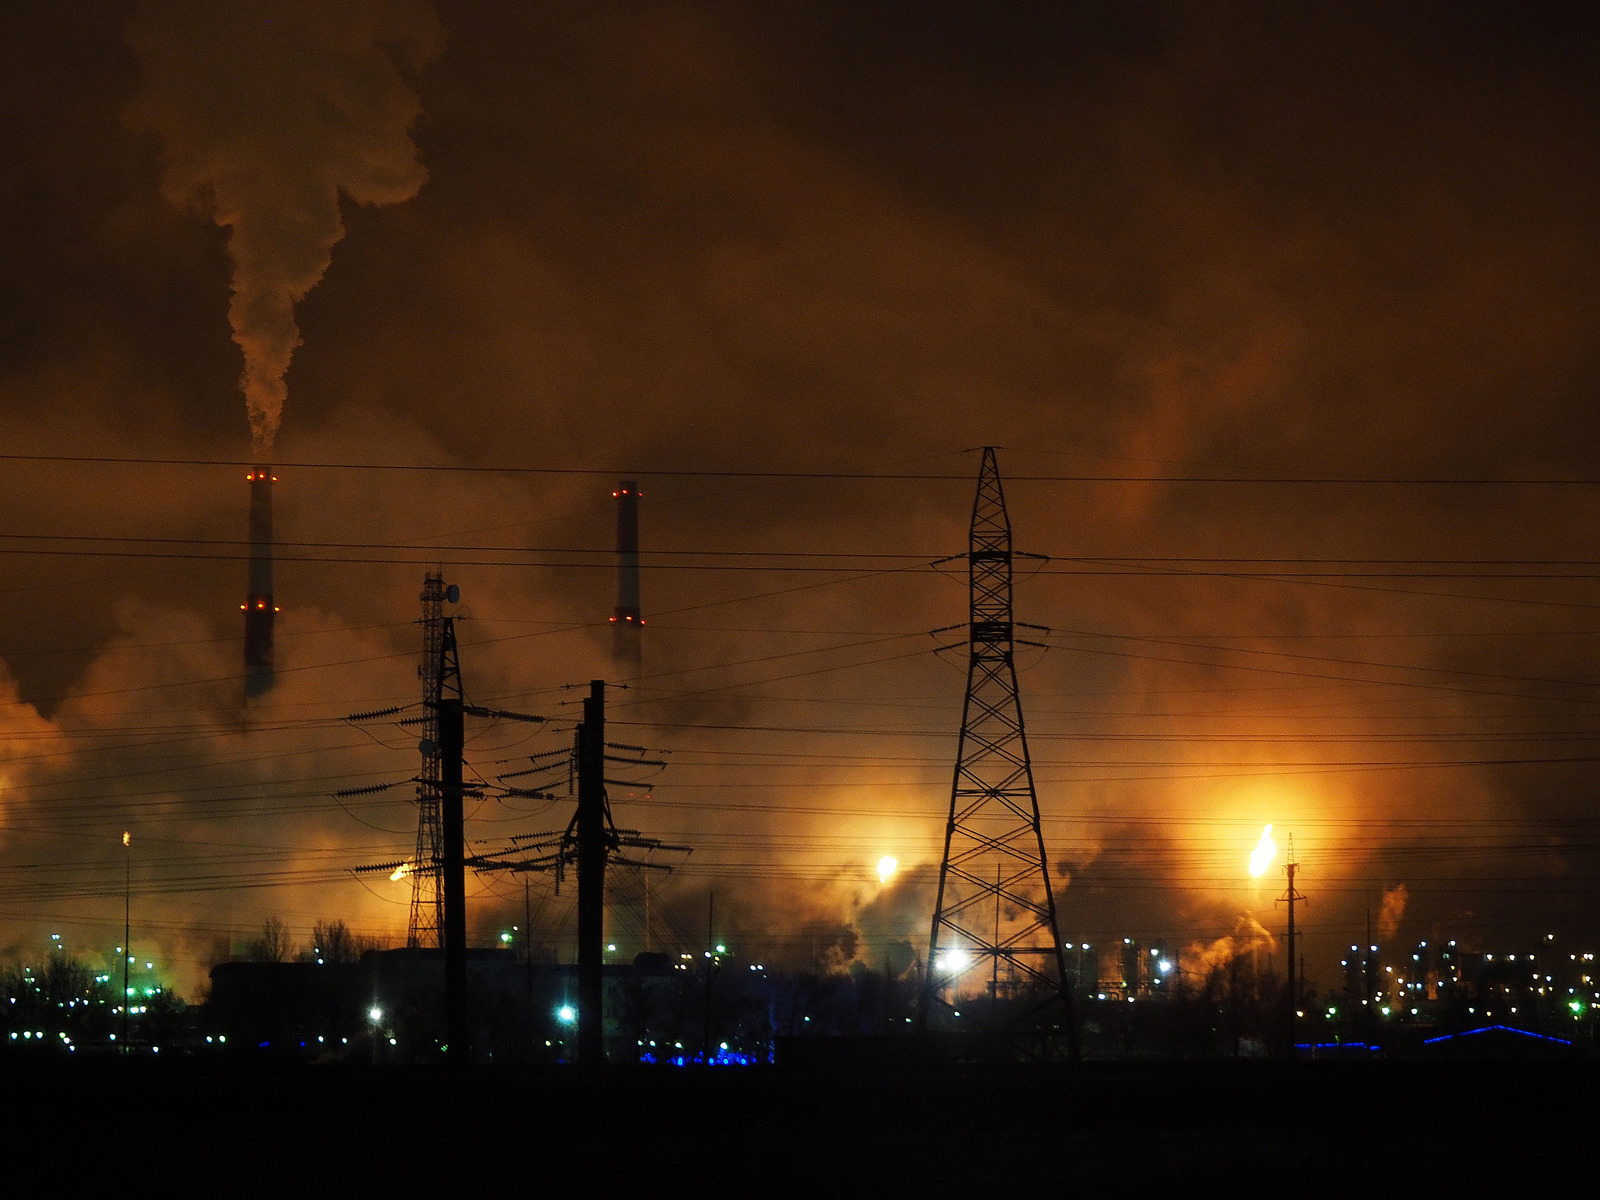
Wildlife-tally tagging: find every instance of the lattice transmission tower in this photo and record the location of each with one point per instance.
(994, 954)
(427, 866)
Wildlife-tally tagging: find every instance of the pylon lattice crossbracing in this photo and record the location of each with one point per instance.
(994, 954)
(427, 866)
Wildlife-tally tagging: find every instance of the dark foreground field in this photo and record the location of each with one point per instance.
(731, 1131)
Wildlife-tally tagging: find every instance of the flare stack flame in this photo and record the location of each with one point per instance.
(1266, 850)
(259, 610)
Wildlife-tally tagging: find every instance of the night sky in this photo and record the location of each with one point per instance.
(1282, 317)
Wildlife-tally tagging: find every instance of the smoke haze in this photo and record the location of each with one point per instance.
(1142, 247)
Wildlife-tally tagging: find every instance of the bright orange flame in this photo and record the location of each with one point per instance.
(1266, 849)
(887, 866)
(401, 871)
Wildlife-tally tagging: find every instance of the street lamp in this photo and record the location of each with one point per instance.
(127, 926)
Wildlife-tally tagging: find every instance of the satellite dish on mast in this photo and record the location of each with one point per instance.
(452, 593)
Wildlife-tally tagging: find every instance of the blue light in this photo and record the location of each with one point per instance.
(722, 1058)
(1503, 1028)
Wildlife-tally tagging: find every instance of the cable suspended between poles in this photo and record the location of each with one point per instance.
(995, 965)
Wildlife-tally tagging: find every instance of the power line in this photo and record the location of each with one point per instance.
(885, 476)
(778, 561)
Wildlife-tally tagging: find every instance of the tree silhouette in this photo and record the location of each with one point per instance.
(274, 945)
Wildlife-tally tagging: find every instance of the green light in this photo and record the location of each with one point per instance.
(1576, 1006)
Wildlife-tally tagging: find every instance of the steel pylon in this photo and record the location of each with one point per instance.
(994, 953)
(426, 926)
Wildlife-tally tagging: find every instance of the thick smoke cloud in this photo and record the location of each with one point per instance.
(1116, 241)
(268, 113)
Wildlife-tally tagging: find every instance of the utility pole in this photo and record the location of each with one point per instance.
(438, 869)
(1366, 974)
(994, 972)
(711, 962)
(452, 741)
(589, 840)
(592, 848)
(527, 948)
(1291, 992)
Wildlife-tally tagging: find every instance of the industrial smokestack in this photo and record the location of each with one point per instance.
(258, 607)
(627, 619)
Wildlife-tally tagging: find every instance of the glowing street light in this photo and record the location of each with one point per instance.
(887, 866)
(1266, 850)
(126, 949)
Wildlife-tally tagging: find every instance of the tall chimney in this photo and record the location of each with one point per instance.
(626, 620)
(258, 607)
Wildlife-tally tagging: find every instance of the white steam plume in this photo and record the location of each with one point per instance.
(1394, 909)
(267, 112)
